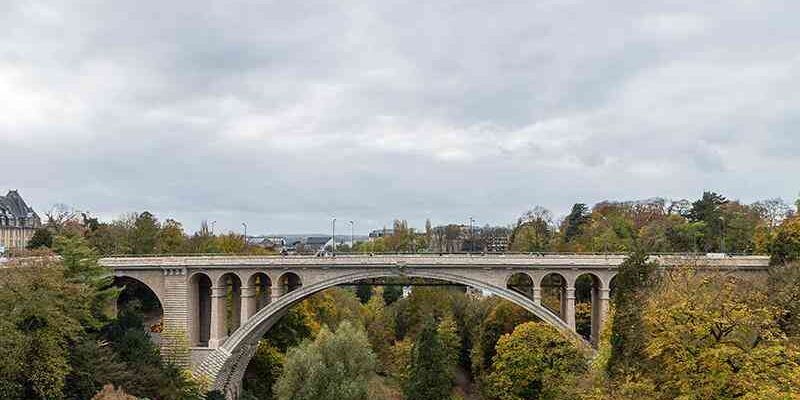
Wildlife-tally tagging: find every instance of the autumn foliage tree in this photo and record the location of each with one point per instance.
(534, 362)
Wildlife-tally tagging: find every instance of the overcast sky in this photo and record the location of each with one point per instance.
(286, 113)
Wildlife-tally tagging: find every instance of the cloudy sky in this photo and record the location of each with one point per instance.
(285, 113)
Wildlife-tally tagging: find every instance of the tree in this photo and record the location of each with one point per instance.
(171, 238)
(773, 211)
(42, 317)
(335, 366)
(502, 318)
(782, 287)
(534, 362)
(81, 267)
(448, 334)
(785, 247)
(263, 371)
(533, 231)
(109, 393)
(380, 329)
(709, 211)
(429, 377)
(714, 336)
(635, 276)
(575, 221)
(41, 238)
(144, 236)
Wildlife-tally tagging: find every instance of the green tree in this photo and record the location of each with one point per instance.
(575, 221)
(81, 267)
(335, 366)
(42, 237)
(42, 316)
(380, 329)
(635, 276)
(534, 362)
(263, 371)
(144, 236)
(709, 210)
(291, 329)
(429, 376)
(171, 238)
(502, 318)
(448, 334)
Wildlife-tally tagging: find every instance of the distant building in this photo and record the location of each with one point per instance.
(497, 243)
(313, 244)
(379, 233)
(18, 221)
(274, 243)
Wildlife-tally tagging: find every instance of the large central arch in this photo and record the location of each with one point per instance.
(226, 365)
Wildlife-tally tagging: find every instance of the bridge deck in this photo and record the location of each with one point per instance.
(411, 260)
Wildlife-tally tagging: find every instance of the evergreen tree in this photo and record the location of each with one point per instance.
(430, 376)
(41, 238)
(709, 211)
(81, 267)
(575, 221)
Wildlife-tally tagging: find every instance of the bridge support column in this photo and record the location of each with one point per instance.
(604, 303)
(537, 293)
(217, 317)
(569, 307)
(249, 302)
(277, 290)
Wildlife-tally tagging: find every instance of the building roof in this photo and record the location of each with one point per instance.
(13, 205)
(317, 240)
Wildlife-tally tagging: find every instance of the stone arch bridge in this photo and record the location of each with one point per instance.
(194, 291)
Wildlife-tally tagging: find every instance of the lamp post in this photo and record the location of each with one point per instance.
(245, 233)
(471, 236)
(212, 227)
(352, 234)
(333, 236)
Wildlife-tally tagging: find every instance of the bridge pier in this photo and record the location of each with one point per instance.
(537, 292)
(569, 305)
(604, 301)
(249, 302)
(218, 329)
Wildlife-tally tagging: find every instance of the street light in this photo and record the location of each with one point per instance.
(471, 236)
(245, 233)
(333, 236)
(352, 235)
(212, 226)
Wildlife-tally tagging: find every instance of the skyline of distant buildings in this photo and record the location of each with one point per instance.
(18, 223)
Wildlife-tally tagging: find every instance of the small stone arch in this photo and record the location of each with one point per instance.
(229, 297)
(588, 287)
(289, 282)
(553, 287)
(226, 365)
(521, 282)
(261, 285)
(149, 303)
(200, 308)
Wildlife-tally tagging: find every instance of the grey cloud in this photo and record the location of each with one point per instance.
(284, 114)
